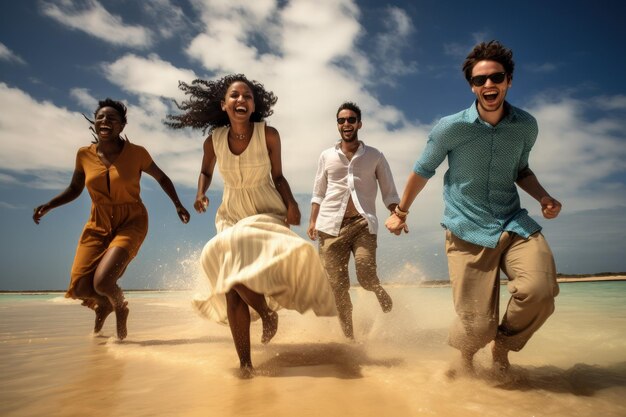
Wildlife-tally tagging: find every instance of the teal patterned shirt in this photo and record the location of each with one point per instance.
(480, 195)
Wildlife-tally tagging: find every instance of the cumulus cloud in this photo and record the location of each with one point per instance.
(59, 132)
(392, 43)
(151, 75)
(577, 158)
(8, 55)
(92, 18)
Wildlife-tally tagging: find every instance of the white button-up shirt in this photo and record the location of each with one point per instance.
(339, 178)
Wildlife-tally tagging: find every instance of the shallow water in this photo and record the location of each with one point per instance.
(174, 363)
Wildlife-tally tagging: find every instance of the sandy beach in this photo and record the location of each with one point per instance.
(174, 363)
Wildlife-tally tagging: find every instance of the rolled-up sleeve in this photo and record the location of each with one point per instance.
(385, 182)
(321, 182)
(433, 155)
(528, 145)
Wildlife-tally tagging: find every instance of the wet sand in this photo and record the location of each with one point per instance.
(174, 363)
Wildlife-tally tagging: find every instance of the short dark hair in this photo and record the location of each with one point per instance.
(203, 109)
(350, 106)
(489, 51)
(117, 105)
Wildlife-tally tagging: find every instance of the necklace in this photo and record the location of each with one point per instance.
(239, 136)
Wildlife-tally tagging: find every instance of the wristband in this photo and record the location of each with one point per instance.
(399, 212)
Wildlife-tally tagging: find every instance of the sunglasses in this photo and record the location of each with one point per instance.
(342, 120)
(480, 80)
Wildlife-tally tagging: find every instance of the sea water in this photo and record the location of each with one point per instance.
(175, 363)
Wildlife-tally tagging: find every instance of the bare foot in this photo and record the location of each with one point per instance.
(246, 372)
(385, 301)
(501, 362)
(102, 312)
(121, 315)
(270, 327)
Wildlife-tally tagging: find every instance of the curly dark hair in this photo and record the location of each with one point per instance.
(107, 102)
(203, 110)
(117, 105)
(490, 51)
(350, 106)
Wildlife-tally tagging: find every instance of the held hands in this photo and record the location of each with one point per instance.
(293, 214)
(183, 214)
(395, 224)
(39, 212)
(201, 203)
(550, 207)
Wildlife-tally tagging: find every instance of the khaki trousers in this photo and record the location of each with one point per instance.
(475, 277)
(354, 238)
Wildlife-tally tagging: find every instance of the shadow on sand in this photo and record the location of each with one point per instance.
(173, 342)
(321, 360)
(580, 380)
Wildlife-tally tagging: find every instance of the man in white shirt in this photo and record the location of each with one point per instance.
(343, 212)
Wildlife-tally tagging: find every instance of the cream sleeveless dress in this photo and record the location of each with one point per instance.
(263, 254)
(254, 246)
(248, 186)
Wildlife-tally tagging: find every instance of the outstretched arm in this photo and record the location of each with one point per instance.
(272, 140)
(527, 181)
(396, 223)
(206, 175)
(77, 184)
(168, 186)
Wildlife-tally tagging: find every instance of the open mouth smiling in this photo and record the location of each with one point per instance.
(241, 110)
(490, 96)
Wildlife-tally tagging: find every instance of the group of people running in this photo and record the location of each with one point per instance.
(256, 264)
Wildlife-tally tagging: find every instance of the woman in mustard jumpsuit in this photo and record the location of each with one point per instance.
(111, 169)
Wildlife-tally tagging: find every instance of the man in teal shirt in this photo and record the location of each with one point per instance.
(487, 146)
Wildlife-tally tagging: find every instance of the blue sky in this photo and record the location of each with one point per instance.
(399, 60)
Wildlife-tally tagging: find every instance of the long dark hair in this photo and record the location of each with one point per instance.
(203, 110)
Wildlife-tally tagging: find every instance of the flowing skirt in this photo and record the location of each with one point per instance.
(264, 255)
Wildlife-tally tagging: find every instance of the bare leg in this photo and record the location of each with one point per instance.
(239, 322)
(258, 303)
(84, 290)
(109, 270)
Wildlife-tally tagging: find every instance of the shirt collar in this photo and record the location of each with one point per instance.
(359, 150)
(509, 113)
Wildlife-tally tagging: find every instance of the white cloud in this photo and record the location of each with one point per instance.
(84, 98)
(151, 75)
(617, 102)
(48, 160)
(391, 44)
(8, 55)
(544, 68)
(92, 18)
(575, 158)
(170, 17)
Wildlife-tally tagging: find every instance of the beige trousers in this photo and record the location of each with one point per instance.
(354, 238)
(475, 277)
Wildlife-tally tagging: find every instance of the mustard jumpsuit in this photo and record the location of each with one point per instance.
(118, 217)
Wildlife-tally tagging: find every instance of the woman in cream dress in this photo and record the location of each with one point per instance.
(254, 258)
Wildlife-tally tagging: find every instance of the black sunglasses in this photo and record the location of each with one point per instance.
(342, 120)
(480, 80)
